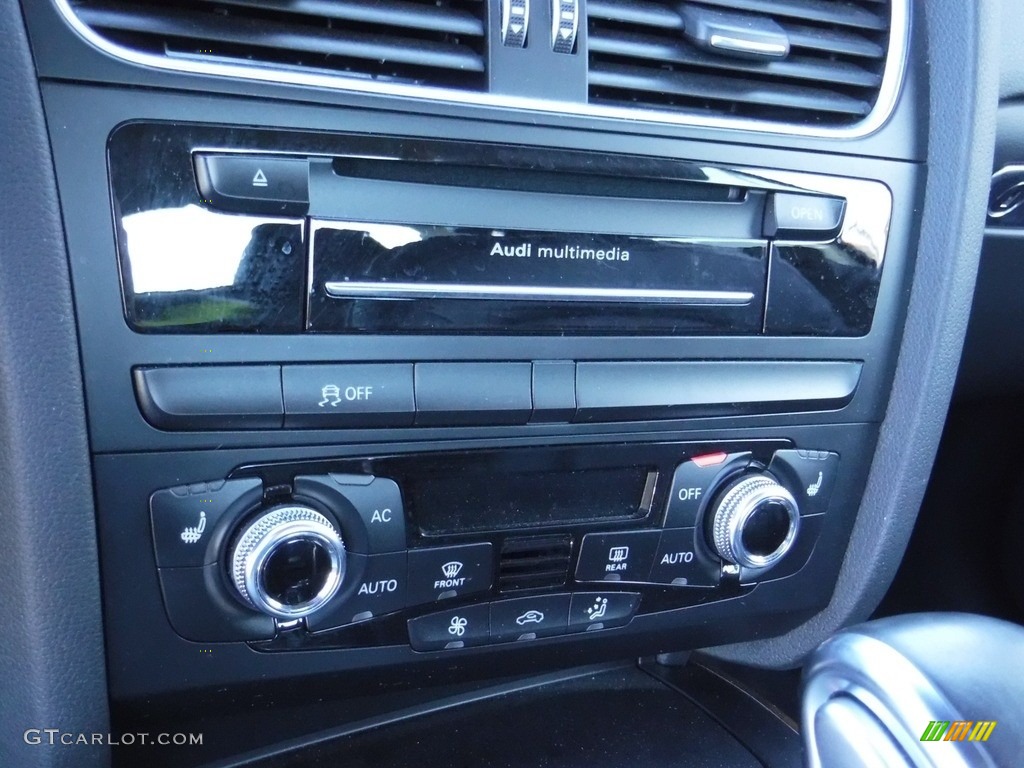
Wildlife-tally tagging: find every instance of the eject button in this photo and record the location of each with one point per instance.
(253, 183)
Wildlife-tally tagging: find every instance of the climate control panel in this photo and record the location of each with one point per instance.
(450, 551)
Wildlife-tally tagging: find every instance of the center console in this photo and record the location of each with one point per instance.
(364, 402)
(391, 383)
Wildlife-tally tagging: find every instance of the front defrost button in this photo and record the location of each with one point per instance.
(439, 573)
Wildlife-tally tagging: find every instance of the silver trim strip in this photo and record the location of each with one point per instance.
(888, 94)
(360, 290)
(740, 45)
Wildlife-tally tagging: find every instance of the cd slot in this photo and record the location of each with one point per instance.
(577, 203)
(566, 182)
(352, 290)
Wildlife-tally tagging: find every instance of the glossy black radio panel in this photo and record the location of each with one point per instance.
(404, 245)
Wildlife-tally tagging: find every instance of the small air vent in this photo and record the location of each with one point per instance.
(534, 562)
(807, 62)
(424, 42)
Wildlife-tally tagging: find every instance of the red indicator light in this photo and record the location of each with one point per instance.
(708, 459)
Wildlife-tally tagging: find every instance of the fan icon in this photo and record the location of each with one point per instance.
(458, 626)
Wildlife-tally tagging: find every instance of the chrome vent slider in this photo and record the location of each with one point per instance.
(745, 36)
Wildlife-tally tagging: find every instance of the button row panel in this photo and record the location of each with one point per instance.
(522, 619)
(356, 395)
(370, 395)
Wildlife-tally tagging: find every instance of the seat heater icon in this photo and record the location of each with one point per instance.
(194, 533)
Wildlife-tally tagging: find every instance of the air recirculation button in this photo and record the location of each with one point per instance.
(288, 562)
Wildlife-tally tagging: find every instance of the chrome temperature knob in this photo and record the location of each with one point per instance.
(288, 562)
(755, 522)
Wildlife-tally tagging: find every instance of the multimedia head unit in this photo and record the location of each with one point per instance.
(406, 237)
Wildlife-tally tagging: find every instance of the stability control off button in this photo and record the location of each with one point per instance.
(323, 396)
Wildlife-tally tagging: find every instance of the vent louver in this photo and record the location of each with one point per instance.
(808, 62)
(533, 562)
(426, 42)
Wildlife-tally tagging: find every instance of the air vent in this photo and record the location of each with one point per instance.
(806, 62)
(423, 42)
(533, 562)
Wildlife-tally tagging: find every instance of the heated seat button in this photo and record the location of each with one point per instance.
(617, 556)
(693, 481)
(681, 562)
(376, 586)
(803, 217)
(444, 572)
(251, 183)
(809, 475)
(457, 628)
(601, 610)
(317, 396)
(187, 520)
(527, 618)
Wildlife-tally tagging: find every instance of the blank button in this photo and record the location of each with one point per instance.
(463, 394)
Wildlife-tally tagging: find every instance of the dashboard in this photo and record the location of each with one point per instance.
(364, 347)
